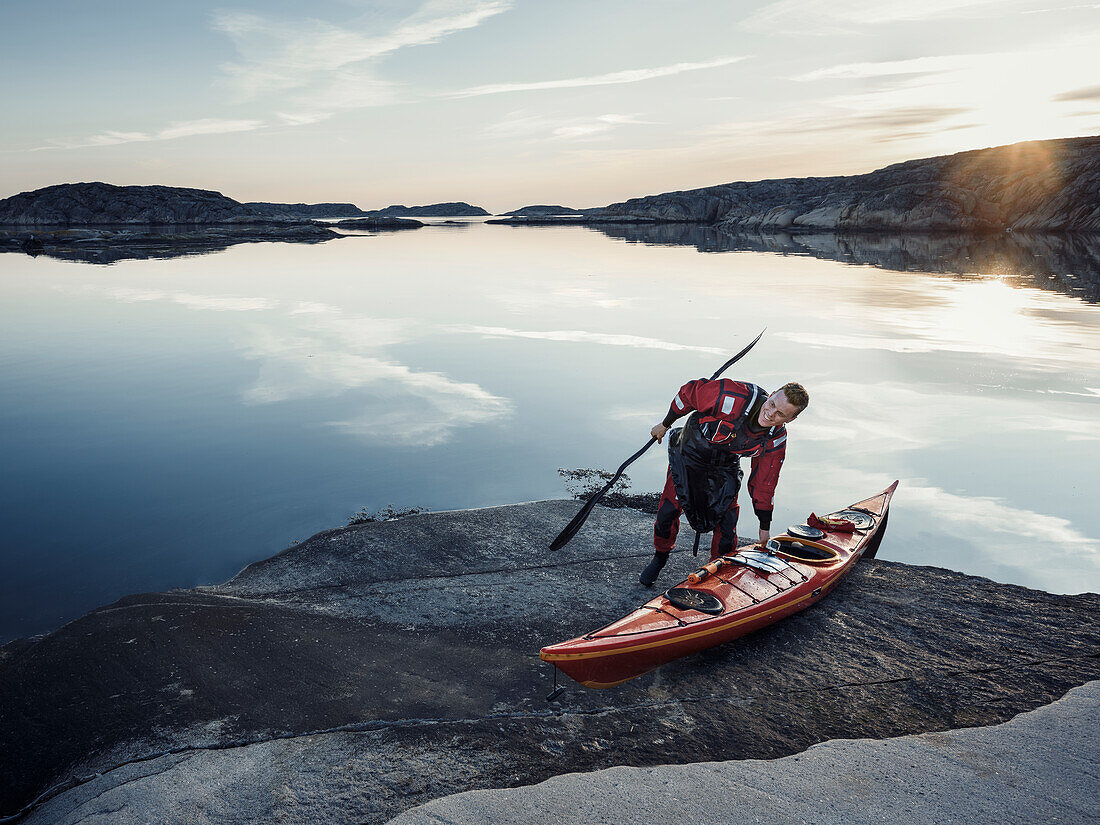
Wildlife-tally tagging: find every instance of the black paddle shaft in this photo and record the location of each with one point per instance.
(578, 520)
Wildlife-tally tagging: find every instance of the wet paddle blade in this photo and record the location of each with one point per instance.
(572, 527)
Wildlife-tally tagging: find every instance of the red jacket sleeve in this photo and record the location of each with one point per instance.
(765, 476)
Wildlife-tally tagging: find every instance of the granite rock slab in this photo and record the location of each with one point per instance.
(375, 667)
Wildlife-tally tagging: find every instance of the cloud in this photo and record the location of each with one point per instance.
(582, 337)
(179, 129)
(830, 17)
(276, 55)
(1085, 93)
(985, 515)
(1017, 528)
(520, 124)
(612, 78)
(895, 122)
(390, 401)
(887, 68)
(213, 303)
(307, 350)
(570, 297)
(302, 118)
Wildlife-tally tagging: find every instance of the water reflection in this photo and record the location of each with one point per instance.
(189, 416)
(1068, 263)
(110, 244)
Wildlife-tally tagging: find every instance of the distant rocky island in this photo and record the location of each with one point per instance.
(542, 211)
(306, 211)
(433, 210)
(1050, 186)
(379, 222)
(97, 204)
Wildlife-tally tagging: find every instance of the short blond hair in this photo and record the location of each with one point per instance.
(796, 394)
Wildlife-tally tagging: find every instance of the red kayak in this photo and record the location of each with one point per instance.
(729, 597)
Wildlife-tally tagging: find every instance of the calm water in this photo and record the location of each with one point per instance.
(165, 422)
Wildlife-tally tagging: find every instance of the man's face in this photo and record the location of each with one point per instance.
(777, 410)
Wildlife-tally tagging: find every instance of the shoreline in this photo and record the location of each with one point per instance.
(357, 658)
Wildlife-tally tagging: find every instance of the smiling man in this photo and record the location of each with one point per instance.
(730, 420)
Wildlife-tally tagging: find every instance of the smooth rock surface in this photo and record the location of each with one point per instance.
(1042, 766)
(375, 667)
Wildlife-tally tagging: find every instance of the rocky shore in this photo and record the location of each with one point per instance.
(1040, 186)
(379, 666)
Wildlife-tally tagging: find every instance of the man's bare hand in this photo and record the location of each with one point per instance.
(658, 432)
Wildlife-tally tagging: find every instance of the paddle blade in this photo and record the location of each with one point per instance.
(572, 527)
(578, 520)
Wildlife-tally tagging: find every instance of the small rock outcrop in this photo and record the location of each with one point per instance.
(375, 667)
(434, 210)
(91, 204)
(542, 211)
(1051, 185)
(305, 211)
(380, 222)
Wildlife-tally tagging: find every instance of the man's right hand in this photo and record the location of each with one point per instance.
(658, 432)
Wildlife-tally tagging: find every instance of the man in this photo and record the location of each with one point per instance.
(730, 420)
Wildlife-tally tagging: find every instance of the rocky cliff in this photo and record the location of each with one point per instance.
(1044, 186)
(89, 204)
(375, 667)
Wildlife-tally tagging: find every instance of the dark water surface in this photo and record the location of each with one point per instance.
(166, 421)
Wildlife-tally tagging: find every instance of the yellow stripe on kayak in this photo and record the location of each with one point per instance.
(563, 657)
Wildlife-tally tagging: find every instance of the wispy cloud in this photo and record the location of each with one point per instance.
(845, 16)
(887, 68)
(302, 118)
(277, 55)
(524, 125)
(180, 129)
(960, 515)
(887, 123)
(612, 78)
(210, 303)
(1086, 93)
(583, 337)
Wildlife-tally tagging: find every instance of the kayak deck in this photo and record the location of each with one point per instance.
(752, 589)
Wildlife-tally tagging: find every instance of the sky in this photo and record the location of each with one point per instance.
(506, 103)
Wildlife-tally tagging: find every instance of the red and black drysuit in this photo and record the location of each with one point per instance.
(704, 470)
